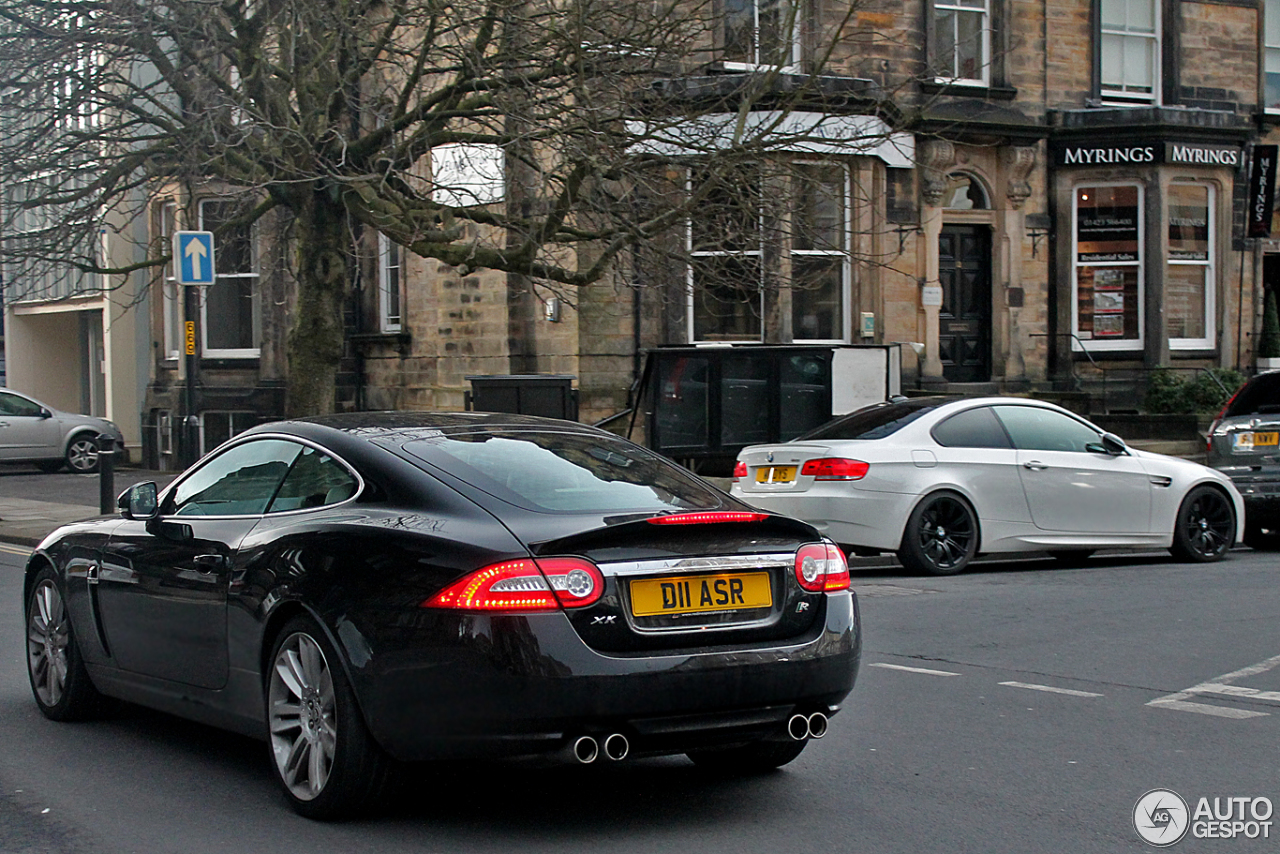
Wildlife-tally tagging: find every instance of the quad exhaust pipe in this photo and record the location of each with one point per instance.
(586, 749)
(800, 727)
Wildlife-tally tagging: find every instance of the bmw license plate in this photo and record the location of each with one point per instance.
(775, 474)
(732, 591)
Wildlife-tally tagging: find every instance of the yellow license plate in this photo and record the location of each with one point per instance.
(775, 474)
(651, 597)
(1266, 439)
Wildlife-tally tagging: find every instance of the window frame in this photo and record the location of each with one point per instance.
(251, 276)
(1209, 341)
(390, 293)
(843, 252)
(1270, 38)
(957, 6)
(171, 309)
(755, 253)
(1093, 344)
(791, 13)
(1121, 97)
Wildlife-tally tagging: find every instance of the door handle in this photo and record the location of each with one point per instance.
(1035, 465)
(209, 563)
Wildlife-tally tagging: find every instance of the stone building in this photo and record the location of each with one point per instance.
(1053, 193)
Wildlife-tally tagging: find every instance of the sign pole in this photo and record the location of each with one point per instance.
(193, 255)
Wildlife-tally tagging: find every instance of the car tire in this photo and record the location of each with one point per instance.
(1261, 539)
(82, 453)
(941, 536)
(321, 751)
(55, 667)
(754, 758)
(1205, 527)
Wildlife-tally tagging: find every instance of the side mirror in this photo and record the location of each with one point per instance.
(139, 502)
(1114, 445)
(45, 413)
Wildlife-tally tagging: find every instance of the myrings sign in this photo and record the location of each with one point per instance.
(1150, 153)
(1262, 190)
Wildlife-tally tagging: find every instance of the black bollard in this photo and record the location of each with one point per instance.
(106, 474)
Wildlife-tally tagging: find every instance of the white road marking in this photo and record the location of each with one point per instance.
(914, 669)
(1221, 685)
(1052, 690)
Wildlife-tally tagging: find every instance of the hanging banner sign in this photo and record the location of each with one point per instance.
(1262, 190)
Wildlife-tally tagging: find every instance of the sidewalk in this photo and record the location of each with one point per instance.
(33, 505)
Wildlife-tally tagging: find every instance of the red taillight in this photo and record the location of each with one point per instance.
(835, 468)
(821, 567)
(708, 518)
(524, 585)
(739, 470)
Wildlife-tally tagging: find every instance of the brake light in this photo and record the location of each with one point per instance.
(821, 567)
(739, 470)
(708, 518)
(835, 468)
(547, 584)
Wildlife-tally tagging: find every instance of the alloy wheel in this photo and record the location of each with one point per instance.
(1208, 524)
(946, 532)
(48, 636)
(82, 455)
(303, 716)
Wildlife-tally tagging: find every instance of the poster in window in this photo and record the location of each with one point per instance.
(1107, 224)
(1188, 222)
(1108, 280)
(1108, 302)
(1108, 326)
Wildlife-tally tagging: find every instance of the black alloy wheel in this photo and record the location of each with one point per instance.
(82, 454)
(1206, 526)
(322, 753)
(753, 758)
(941, 536)
(59, 681)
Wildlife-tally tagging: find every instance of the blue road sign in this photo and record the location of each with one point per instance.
(194, 253)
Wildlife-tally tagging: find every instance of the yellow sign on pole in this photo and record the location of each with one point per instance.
(191, 337)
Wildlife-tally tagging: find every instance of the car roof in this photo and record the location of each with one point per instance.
(409, 425)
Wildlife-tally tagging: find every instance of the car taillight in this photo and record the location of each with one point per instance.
(708, 518)
(547, 584)
(821, 567)
(835, 468)
(739, 470)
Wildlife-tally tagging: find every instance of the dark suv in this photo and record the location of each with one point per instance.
(1244, 444)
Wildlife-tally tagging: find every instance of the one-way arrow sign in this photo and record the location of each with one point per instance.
(193, 251)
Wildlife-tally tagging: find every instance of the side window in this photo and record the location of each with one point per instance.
(11, 404)
(975, 428)
(315, 480)
(237, 482)
(1035, 429)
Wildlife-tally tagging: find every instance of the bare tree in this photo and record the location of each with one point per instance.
(537, 138)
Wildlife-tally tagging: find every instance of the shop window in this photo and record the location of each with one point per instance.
(819, 262)
(1189, 276)
(961, 42)
(389, 266)
(1130, 51)
(760, 32)
(228, 308)
(1271, 56)
(1107, 271)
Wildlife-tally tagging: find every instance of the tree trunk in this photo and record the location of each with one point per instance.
(316, 338)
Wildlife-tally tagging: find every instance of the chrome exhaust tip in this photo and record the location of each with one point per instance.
(616, 747)
(798, 727)
(585, 750)
(817, 725)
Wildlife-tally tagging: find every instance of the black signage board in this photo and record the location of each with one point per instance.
(1262, 190)
(1148, 153)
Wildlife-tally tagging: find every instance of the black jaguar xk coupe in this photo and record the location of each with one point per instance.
(361, 590)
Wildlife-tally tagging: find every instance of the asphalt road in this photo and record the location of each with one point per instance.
(935, 752)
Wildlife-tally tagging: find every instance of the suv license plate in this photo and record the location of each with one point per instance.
(691, 594)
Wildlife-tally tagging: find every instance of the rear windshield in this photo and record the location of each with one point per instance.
(566, 472)
(1260, 396)
(876, 421)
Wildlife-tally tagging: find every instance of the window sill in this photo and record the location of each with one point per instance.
(401, 341)
(969, 89)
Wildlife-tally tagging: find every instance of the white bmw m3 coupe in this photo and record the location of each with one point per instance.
(940, 480)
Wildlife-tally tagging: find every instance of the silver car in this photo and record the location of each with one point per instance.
(941, 480)
(32, 432)
(1244, 444)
